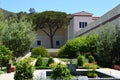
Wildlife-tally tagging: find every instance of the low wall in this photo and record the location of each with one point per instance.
(53, 52)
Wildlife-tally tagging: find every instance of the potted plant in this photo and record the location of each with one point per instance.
(116, 65)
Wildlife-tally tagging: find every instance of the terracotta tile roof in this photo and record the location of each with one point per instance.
(82, 13)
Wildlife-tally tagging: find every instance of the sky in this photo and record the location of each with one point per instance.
(97, 7)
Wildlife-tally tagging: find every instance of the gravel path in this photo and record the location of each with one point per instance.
(58, 61)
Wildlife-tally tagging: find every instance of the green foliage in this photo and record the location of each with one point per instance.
(115, 62)
(91, 59)
(116, 48)
(62, 53)
(39, 51)
(52, 20)
(50, 60)
(2, 25)
(5, 13)
(29, 59)
(61, 71)
(43, 63)
(5, 55)
(71, 48)
(53, 65)
(90, 66)
(106, 39)
(18, 36)
(82, 44)
(92, 74)
(39, 61)
(80, 60)
(1, 15)
(24, 71)
(3, 70)
(92, 39)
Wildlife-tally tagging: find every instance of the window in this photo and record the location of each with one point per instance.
(57, 43)
(82, 24)
(38, 42)
(85, 23)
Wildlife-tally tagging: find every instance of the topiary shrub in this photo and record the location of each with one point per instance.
(52, 65)
(91, 59)
(39, 61)
(61, 71)
(80, 60)
(50, 60)
(39, 51)
(29, 59)
(90, 66)
(92, 74)
(24, 71)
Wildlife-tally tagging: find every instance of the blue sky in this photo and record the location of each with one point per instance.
(97, 7)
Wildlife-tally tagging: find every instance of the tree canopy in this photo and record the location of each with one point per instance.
(53, 20)
(18, 33)
(80, 45)
(105, 42)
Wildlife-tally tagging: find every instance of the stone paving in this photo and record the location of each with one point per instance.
(7, 76)
(37, 73)
(112, 72)
(10, 76)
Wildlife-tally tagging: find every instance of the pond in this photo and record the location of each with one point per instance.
(83, 73)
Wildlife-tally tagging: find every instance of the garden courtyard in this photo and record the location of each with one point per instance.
(95, 56)
(37, 74)
(82, 57)
(41, 74)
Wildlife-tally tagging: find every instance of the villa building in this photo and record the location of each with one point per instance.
(112, 17)
(78, 21)
(81, 23)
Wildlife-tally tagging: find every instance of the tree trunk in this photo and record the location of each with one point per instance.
(51, 41)
(51, 34)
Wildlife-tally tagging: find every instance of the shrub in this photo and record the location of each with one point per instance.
(92, 74)
(50, 60)
(39, 61)
(81, 44)
(24, 71)
(90, 66)
(39, 51)
(116, 62)
(62, 53)
(61, 71)
(5, 55)
(80, 60)
(29, 59)
(52, 65)
(91, 59)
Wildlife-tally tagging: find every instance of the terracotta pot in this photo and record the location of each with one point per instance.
(117, 67)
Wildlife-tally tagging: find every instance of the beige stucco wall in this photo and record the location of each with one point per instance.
(71, 30)
(78, 19)
(61, 35)
(73, 27)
